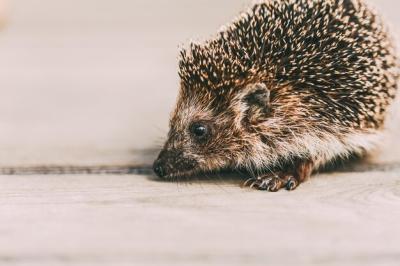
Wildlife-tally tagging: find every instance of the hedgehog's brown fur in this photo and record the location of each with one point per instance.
(298, 81)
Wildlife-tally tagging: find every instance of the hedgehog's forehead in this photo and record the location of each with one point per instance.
(189, 110)
(195, 104)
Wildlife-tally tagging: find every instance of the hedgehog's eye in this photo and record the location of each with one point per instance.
(200, 131)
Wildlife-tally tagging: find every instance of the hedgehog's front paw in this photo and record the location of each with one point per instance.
(268, 183)
(272, 183)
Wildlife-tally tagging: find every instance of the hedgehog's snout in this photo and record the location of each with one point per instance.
(158, 168)
(172, 163)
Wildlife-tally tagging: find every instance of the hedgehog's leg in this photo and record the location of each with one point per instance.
(302, 172)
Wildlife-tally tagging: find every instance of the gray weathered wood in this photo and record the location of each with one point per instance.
(335, 219)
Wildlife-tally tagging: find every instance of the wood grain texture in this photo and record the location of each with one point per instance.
(340, 219)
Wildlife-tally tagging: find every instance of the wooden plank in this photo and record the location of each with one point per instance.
(335, 219)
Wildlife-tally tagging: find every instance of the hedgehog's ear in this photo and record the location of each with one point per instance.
(256, 102)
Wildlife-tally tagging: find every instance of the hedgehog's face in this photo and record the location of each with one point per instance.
(195, 141)
(207, 132)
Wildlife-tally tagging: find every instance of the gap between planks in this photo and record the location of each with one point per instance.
(147, 169)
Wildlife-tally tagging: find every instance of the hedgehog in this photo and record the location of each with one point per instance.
(284, 90)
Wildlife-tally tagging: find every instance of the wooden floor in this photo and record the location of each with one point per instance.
(335, 219)
(85, 95)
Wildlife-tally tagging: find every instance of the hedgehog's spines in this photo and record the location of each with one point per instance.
(336, 49)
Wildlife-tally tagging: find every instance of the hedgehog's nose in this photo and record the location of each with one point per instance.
(158, 169)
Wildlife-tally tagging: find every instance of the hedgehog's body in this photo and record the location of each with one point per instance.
(299, 81)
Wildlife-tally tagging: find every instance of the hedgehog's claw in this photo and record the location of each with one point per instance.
(249, 182)
(272, 184)
(254, 184)
(268, 183)
(291, 183)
